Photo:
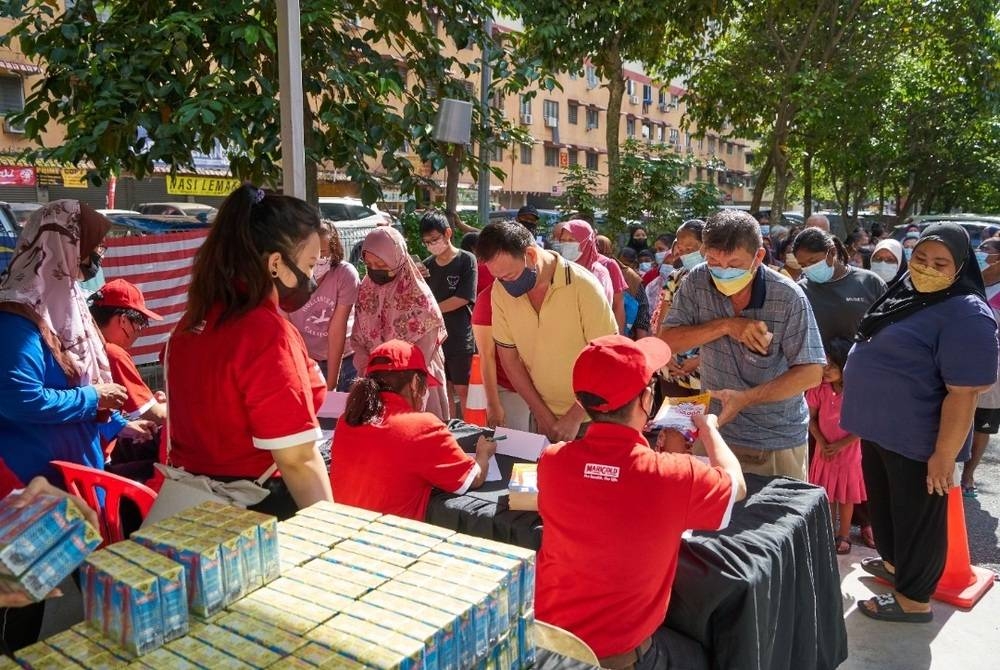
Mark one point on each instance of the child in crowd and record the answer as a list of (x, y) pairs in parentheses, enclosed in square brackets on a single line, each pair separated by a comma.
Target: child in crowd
[(836, 465)]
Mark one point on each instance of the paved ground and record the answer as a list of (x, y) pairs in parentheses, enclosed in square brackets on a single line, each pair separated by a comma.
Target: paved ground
[(956, 640)]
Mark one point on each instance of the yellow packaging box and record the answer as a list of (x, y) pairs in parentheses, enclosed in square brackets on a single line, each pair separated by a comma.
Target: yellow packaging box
[(409, 651), (237, 646), (376, 553), (337, 572), (263, 633), (443, 623), (204, 655), (369, 562)]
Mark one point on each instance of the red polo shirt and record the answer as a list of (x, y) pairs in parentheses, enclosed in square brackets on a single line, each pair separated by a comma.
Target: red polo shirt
[(482, 315), (239, 390), (124, 372), (391, 466), (613, 512)]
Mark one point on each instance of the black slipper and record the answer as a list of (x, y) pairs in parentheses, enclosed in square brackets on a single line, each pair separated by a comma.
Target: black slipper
[(876, 568), (839, 540), (888, 609)]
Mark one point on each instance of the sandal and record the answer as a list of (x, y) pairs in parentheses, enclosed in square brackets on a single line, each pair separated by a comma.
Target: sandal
[(868, 537), (841, 541), (970, 491), (888, 609), (876, 568)]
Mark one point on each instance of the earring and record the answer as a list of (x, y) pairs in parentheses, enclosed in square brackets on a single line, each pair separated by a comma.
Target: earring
[(274, 273)]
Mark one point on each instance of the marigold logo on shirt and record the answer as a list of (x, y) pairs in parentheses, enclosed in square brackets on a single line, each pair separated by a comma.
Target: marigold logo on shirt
[(607, 473)]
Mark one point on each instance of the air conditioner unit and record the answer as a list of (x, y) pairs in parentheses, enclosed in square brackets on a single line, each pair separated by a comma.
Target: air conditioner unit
[(634, 99), (664, 106), (526, 119), (10, 128), (551, 121)]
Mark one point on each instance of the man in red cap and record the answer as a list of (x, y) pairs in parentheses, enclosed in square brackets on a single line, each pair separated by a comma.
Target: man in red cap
[(613, 511), (120, 311), (388, 453)]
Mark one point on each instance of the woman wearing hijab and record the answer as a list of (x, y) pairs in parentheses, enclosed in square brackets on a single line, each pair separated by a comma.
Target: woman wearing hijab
[(57, 399), (888, 261), (394, 303), (56, 396), (577, 238), (930, 344)]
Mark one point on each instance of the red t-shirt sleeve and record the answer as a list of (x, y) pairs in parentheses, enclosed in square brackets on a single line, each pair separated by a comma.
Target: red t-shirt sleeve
[(442, 462), (711, 498), (279, 390), (8, 480), (124, 372), (482, 312)]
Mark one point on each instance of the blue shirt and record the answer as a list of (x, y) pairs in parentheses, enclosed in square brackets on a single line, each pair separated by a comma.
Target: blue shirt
[(895, 382), (43, 418), (728, 364)]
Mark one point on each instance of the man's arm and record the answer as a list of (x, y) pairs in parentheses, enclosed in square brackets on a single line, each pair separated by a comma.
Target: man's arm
[(749, 332), (451, 304), (796, 380)]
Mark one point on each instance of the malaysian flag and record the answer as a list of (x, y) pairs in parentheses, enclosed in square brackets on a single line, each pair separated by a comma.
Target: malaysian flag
[(160, 265)]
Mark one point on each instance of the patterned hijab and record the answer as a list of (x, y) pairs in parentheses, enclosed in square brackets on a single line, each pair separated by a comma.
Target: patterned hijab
[(40, 285), (404, 309)]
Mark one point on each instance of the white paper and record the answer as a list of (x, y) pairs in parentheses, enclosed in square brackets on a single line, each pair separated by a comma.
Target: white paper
[(333, 406), (493, 472), (519, 444)]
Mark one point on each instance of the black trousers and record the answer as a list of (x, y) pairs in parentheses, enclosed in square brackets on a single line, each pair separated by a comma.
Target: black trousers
[(910, 525), (673, 651)]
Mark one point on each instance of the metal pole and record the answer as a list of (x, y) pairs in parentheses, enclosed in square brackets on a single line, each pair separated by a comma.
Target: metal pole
[(484, 109), (293, 157)]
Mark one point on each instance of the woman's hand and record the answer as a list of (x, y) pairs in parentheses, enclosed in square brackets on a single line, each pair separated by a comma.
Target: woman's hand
[(138, 431), (940, 474), (110, 396)]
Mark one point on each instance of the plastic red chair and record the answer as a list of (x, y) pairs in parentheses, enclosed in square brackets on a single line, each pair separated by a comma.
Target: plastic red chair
[(88, 482)]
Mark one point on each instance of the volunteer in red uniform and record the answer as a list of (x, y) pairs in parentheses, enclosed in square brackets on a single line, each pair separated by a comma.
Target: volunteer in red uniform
[(243, 391), (614, 510), (119, 310), (388, 453)]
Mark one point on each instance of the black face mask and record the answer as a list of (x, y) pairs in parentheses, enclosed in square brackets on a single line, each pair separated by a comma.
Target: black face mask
[(294, 298), (92, 267), (380, 277)]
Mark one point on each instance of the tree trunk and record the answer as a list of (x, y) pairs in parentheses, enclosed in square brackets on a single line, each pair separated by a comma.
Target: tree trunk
[(616, 90), (761, 184), (312, 170), (881, 197), (453, 166), (807, 184)]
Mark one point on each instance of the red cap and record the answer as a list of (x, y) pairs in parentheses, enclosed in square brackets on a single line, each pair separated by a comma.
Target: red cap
[(616, 369), (398, 356), (120, 293)]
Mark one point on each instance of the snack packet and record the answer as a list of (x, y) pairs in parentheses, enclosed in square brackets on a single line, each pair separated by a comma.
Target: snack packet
[(676, 413)]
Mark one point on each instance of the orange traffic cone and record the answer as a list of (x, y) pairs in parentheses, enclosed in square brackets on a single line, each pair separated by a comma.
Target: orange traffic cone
[(962, 584), (474, 411)]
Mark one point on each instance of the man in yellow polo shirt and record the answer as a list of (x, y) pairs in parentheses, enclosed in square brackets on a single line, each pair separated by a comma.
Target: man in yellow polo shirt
[(545, 311)]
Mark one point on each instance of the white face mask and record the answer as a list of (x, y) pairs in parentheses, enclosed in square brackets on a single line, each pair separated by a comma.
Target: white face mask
[(568, 250), (887, 271), (437, 248)]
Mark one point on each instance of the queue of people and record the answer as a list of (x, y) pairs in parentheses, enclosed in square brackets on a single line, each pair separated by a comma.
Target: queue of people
[(276, 318)]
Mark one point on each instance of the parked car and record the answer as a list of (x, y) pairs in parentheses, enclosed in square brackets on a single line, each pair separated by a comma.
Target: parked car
[(23, 210), (8, 235), (124, 225), (202, 212), (974, 224), (353, 220)]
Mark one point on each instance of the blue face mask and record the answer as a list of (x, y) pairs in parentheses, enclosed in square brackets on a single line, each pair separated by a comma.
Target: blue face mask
[(692, 259), (524, 283), (765, 230), (820, 272), (981, 258), (660, 257), (907, 253), (645, 267)]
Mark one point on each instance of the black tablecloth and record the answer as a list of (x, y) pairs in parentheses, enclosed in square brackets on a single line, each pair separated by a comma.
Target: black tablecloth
[(763, 594)]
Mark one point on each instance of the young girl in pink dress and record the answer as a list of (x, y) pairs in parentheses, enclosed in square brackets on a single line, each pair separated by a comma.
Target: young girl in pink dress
[(836, 464)]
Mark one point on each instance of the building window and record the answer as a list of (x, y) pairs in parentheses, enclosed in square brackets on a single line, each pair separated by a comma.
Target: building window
[(593, 118), (663, 134), (496, 154), (551, 157), (525, 106), (711, 145), (701, 144), (11, 95), (630, 127), (663, 96), (592, 161), (573, 76), (526, 151), (729, 148), (675, 100), (629, 87), (647, 94), (700, 173), (591, 74), (550, 110), (572, 113), (574, 157), (675, 136), (687, 141)]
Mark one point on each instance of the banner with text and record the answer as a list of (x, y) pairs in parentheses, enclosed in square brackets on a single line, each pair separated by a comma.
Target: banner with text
[(191, 185)]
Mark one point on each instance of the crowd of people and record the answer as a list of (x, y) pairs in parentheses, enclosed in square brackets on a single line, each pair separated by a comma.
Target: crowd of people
[(796, 341)]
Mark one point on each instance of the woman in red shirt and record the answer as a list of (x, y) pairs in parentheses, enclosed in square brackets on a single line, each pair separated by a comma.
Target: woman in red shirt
[(243, 390)]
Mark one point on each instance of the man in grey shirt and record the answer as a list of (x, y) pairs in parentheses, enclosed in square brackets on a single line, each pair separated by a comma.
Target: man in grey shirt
[(760, 347)]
